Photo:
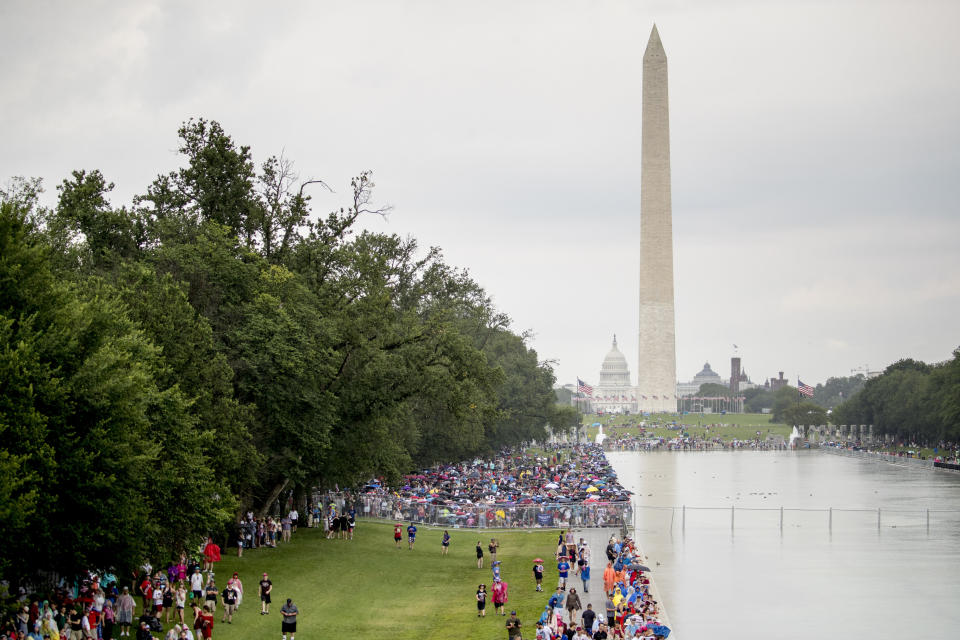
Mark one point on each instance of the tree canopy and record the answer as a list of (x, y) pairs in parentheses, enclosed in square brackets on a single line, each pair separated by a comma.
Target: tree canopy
[(911, 401), (217, 346)]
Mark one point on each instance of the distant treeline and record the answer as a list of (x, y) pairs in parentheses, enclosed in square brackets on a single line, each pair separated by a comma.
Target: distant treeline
[(214, 346), (911, 400)]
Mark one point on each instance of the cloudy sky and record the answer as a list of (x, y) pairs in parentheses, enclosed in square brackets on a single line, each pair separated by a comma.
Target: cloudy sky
[(815, 147)]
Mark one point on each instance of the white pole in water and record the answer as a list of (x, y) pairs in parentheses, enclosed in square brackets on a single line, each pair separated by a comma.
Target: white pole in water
[(673, 512), (731, 516), (928, 520), (781, 518), (831, 519), (878, 518), (684, 521)]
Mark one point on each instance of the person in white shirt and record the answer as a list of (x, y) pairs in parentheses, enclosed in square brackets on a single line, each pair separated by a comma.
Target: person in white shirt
[(196, 585), (294, 516)]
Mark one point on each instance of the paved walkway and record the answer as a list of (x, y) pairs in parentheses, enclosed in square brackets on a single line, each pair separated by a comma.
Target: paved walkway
[(597, 540)]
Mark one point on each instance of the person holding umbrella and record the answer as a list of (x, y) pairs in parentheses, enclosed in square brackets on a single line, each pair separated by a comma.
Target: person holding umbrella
[(538, 572)]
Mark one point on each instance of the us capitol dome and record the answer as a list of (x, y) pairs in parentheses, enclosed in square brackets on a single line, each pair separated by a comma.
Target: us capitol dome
[(615, 393)]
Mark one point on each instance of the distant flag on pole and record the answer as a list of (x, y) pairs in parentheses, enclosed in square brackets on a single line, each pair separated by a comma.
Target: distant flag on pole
[(583, 387), (804, 389)]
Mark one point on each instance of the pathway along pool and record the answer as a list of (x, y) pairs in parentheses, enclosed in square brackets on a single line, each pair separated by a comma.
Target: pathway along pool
[(823, 575)]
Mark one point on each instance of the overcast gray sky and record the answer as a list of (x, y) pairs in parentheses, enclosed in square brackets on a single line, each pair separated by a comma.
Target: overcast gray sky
[(815, 147)]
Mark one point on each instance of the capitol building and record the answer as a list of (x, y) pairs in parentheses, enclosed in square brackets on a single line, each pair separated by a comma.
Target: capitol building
[(614, 393)]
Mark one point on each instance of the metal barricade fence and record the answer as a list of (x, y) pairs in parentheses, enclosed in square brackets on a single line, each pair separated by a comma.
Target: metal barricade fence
[(678, 518), (482, 516), (880, 457)]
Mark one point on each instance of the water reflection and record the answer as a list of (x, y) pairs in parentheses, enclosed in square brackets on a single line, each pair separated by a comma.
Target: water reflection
[(820, 572)]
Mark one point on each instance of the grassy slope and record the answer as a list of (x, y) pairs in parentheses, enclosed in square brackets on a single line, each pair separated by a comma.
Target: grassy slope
[(368, 589), (740, 425)]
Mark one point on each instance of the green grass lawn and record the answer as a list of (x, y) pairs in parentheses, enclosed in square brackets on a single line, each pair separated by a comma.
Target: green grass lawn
[(366, 588), (742, 426)]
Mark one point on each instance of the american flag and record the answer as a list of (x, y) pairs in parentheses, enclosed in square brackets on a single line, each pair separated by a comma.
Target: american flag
[(804, 389), (583, 387)]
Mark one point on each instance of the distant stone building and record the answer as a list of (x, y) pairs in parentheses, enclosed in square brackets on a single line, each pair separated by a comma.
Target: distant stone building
[(775, 383), (614, 393), (706, 375)]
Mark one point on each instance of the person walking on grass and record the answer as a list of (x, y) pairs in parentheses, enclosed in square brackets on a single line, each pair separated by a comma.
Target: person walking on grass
[(289, 612), (411, 536), (206, 623), (500, 596), (538, 573), (197, 620), (196, 585), (266, 586), (125, 606), (479, 555), (513, 627), (493, 547), (229, 597), (211, 596), (482, 601), (445, 543), (397, 533)]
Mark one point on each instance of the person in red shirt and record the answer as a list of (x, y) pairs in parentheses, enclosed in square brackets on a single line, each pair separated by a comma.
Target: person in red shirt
[(206, 623), (211, 554), (397, 533), (146, 590)]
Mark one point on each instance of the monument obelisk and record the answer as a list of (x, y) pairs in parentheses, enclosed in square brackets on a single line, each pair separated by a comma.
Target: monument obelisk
[(656, 384)]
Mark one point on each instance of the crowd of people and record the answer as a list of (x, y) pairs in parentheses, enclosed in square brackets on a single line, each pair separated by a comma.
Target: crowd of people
[(177, 602), (692, 443), (629, 611), (564, 486)]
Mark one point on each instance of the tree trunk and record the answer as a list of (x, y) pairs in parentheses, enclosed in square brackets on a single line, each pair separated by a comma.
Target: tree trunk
[(274, 494)]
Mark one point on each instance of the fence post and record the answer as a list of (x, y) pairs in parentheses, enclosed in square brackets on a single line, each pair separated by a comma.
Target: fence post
[(878, 518), (781, 518), (731, 516), (830, 525)]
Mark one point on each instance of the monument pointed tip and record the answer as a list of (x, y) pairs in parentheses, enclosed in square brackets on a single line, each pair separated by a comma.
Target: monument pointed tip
[(654, 45)]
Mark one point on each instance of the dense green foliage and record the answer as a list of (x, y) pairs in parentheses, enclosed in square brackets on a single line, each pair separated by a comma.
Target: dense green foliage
[(215, 347), (912, 401)]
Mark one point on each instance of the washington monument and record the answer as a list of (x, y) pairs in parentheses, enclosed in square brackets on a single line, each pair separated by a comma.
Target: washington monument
[(656, 384)]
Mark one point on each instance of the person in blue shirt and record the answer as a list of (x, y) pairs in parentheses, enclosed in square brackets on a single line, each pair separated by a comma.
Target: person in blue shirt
[(411, 536), (556, 601), (563, 567), (445, 543)]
